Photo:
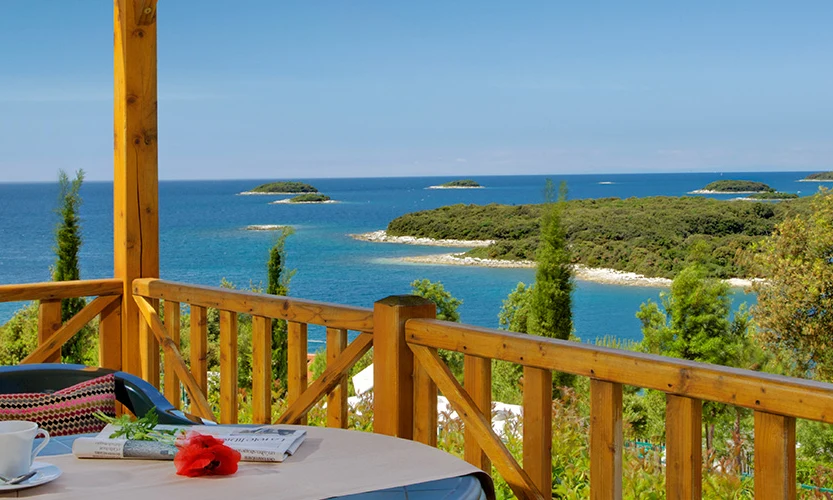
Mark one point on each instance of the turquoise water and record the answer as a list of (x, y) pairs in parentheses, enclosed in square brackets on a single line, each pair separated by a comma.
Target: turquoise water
[(203, 239)]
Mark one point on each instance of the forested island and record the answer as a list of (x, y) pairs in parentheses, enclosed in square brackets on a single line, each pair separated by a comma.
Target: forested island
[(654, 236), (282, 187), (734, 186), (458, 184), (819, 177), (307, 198)]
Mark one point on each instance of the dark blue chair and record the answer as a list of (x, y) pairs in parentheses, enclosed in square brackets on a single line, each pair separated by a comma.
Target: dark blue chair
[(135, 394)]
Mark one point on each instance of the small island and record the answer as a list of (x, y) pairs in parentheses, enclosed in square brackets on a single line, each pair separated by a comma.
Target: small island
[(819, 177), (282, 187), (772, 195), (458, 184), (734, 187), (307, 198)]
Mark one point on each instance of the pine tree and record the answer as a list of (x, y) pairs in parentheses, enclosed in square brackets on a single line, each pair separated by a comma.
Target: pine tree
[(277, 283), (67, 244)]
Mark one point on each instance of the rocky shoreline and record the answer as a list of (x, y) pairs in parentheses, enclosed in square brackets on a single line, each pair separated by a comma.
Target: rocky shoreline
[(454, 187), (709, 191), (290, 202), (383, 237), (266, 227)]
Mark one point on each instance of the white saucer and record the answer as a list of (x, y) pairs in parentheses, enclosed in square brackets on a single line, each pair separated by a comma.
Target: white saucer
[(45, 473)]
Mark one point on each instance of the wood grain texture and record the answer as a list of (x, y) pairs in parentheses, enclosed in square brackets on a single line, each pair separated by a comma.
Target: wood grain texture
[(135, 166), (199, 347), (684, 448), (109, 337), (605, 440), (775, 475), (199, 403), (337, 398), (258, 304), (229, 367), (173, 392), (335, 371), (296, 364), (149, 350), (261, 370), (760, 391), (477, 380), (53, 343), (393, 364), (52, 290), (49, 322), (479, 424), (425, 407), (537, 426)]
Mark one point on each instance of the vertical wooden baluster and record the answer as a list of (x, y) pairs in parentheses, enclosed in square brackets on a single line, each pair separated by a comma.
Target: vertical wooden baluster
[(605, 440), (149, 349), (537, 427), (296, 347), (477, 375), (199, 347), (173, 391), (337, 399), (228, 367), (393, 363), (49, 322), (261, 370), (109, 337), (425, 407), (684, 448), (775, 477)]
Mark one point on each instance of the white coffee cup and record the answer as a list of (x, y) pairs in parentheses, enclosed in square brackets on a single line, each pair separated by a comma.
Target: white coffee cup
[(16, 440)]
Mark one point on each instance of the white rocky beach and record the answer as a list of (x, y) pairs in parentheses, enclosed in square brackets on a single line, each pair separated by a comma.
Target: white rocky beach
[(382, 236), (454, 187), (289, 201)]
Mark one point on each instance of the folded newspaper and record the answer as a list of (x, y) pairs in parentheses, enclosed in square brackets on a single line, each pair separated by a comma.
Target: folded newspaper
[(265, 443)]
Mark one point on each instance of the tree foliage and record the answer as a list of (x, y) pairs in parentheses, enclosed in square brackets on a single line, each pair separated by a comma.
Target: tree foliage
[(447, 306), (795, 302), (278, 278)]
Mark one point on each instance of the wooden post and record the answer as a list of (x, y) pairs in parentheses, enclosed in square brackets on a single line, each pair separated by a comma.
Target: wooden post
[(477, 374), (393, 363), (49, 322), (684, 448), (173, 392), (135, 175), (296, 363), (774, 456), (261, 370), (199, 347), (537, 427), (425, 407), (109, 337), (229, 367), (605, 440), (337, 400)]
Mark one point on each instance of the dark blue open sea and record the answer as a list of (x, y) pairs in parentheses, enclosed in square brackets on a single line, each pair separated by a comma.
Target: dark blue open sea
[(203, 239)]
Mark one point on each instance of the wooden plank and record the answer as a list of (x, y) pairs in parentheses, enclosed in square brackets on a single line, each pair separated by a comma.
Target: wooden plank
[(199, 347), (135, 160), (199, 404), (335, 371), (229, 367), (393, 364), (477, 374), (537, 426), (337, 398), (760, 391), (605, 440), (109, 337), (425, 407), (258, 304), (775, 476), (149, 350), (53, 344), (261, 370), (520, 482), (52, 290), (173, 392), (49, 322), (296, 347), (684, 448)]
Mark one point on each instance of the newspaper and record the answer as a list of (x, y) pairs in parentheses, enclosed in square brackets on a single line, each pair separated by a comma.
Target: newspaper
[(266, 443)]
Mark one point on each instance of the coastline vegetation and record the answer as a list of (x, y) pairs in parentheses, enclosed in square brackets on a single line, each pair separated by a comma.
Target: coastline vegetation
[(734, 186), (820, 176), (652, 236), (773, 195), (285, 187), (310, 198), (466, 183)]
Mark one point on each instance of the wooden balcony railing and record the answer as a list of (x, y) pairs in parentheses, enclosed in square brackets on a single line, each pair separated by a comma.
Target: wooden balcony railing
[(53, 334)]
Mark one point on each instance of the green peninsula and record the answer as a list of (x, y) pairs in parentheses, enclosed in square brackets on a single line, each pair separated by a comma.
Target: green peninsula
[(733, 186), (284, 187), (819, 177), (651, 236)]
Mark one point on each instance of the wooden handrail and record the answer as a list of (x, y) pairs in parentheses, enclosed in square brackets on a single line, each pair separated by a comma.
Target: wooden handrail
[(52, 290), (258, 304), (759, 391)]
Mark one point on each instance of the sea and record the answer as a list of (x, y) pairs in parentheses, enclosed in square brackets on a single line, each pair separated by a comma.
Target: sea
[(204, 239)]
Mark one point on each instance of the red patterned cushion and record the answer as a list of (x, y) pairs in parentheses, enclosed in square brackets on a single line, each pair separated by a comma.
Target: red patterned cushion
[(65, 412)]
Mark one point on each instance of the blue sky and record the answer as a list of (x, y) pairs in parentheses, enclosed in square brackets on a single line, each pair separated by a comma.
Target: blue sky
[(279, 89)]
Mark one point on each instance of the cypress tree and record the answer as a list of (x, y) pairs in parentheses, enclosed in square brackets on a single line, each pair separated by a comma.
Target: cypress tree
[(277, 283)]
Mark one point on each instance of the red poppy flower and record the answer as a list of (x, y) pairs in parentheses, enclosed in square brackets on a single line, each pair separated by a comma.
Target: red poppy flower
[(204, 455)]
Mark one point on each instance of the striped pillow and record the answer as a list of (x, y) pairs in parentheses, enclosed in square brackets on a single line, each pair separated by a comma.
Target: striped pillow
[(65, 412)]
